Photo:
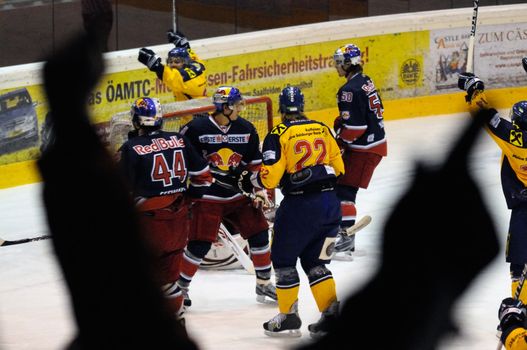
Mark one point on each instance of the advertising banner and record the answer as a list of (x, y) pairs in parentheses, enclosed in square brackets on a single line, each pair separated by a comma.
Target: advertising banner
[(395, 62), (498, 52)]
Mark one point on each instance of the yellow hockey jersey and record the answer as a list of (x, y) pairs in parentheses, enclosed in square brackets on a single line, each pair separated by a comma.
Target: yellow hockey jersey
[(188, 82), (299, 154)]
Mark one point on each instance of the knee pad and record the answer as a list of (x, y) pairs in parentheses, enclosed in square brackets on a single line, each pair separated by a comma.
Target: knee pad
[(259, 240), (318, 273), (198, 248), (286, 277)]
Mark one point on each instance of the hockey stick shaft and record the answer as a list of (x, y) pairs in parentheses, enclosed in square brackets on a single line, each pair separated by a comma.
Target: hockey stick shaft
[(227, 239), (517, 293), (472, 39), (174, 23), (4, 242)]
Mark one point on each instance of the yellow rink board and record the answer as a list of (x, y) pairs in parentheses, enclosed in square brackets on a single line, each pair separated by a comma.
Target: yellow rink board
[(22, 173)]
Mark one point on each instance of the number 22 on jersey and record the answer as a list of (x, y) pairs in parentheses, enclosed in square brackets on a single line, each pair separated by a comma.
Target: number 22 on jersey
[(310, 152)]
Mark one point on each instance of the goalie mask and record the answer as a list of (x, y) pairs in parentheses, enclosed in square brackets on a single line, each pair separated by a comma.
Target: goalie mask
[(519, 115), (230, 96), (178, 56), (146, 111), (347, 56), (291, 100)]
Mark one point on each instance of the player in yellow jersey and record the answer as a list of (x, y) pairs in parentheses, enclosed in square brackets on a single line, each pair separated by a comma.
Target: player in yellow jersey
[(184, 72), (510, 136), (302, 158)]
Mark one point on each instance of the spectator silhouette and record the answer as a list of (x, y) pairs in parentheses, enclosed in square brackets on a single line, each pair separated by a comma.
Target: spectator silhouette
[(95, 230), (437, 239)]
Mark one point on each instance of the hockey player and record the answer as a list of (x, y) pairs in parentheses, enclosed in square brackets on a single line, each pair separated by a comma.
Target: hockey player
[(301, 157), (360, 133), (227, 141), (510, 136), (512, 322), (157, 165), (184, 72)]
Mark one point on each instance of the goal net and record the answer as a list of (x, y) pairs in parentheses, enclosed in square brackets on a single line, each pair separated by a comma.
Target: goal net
[(258, 111)]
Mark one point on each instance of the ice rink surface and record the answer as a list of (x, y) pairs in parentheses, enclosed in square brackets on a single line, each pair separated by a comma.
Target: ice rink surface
[(34, 306)]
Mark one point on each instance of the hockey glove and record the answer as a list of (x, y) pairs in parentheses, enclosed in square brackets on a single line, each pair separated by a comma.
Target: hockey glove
[(244, 181), (511, 315), (524, 63), (261, 200), (470, 83), (178, 39), (149, 59)]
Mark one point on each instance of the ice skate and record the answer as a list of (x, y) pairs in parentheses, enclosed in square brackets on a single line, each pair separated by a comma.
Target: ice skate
[(284, 325), (320, 328), (265, 290), (344, 246), (186, 300)]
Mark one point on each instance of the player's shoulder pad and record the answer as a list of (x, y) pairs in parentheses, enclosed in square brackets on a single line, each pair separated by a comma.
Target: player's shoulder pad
[(245, 123), (279, 129)]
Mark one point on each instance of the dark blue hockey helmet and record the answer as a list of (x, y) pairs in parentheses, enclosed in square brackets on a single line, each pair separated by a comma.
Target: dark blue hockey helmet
[(228, 95), (146, 111), (519, 114), (178, 55), (291, 100)]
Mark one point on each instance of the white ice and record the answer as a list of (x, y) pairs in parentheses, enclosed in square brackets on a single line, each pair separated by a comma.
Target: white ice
[(34, 306)]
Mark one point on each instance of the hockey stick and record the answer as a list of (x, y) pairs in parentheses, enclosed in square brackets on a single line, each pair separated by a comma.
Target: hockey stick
[(236, 189), (174, 24), (517, 293), (359, 225), (472, 39), (4, 242), (227, 239)]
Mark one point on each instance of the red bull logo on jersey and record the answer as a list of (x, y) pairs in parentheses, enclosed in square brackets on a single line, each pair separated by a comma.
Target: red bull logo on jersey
[(220, 138), (159, 144), (224, 159)]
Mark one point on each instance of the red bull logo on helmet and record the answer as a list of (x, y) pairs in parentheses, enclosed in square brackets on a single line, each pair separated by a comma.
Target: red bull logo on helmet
[(224, 158)]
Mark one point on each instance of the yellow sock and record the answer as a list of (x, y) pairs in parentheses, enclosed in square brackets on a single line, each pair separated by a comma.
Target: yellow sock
[(286, 298), (523, 294), (324, 293)]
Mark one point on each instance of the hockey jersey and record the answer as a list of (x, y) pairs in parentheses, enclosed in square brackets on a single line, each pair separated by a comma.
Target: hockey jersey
[(299, 154), (235, 145), (188, 82), (511, 141), (360, 124), (160, 163)]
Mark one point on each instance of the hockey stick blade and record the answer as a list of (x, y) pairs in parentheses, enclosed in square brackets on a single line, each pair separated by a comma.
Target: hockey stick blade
[(228, 240), (359, 225), (4, 242)]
